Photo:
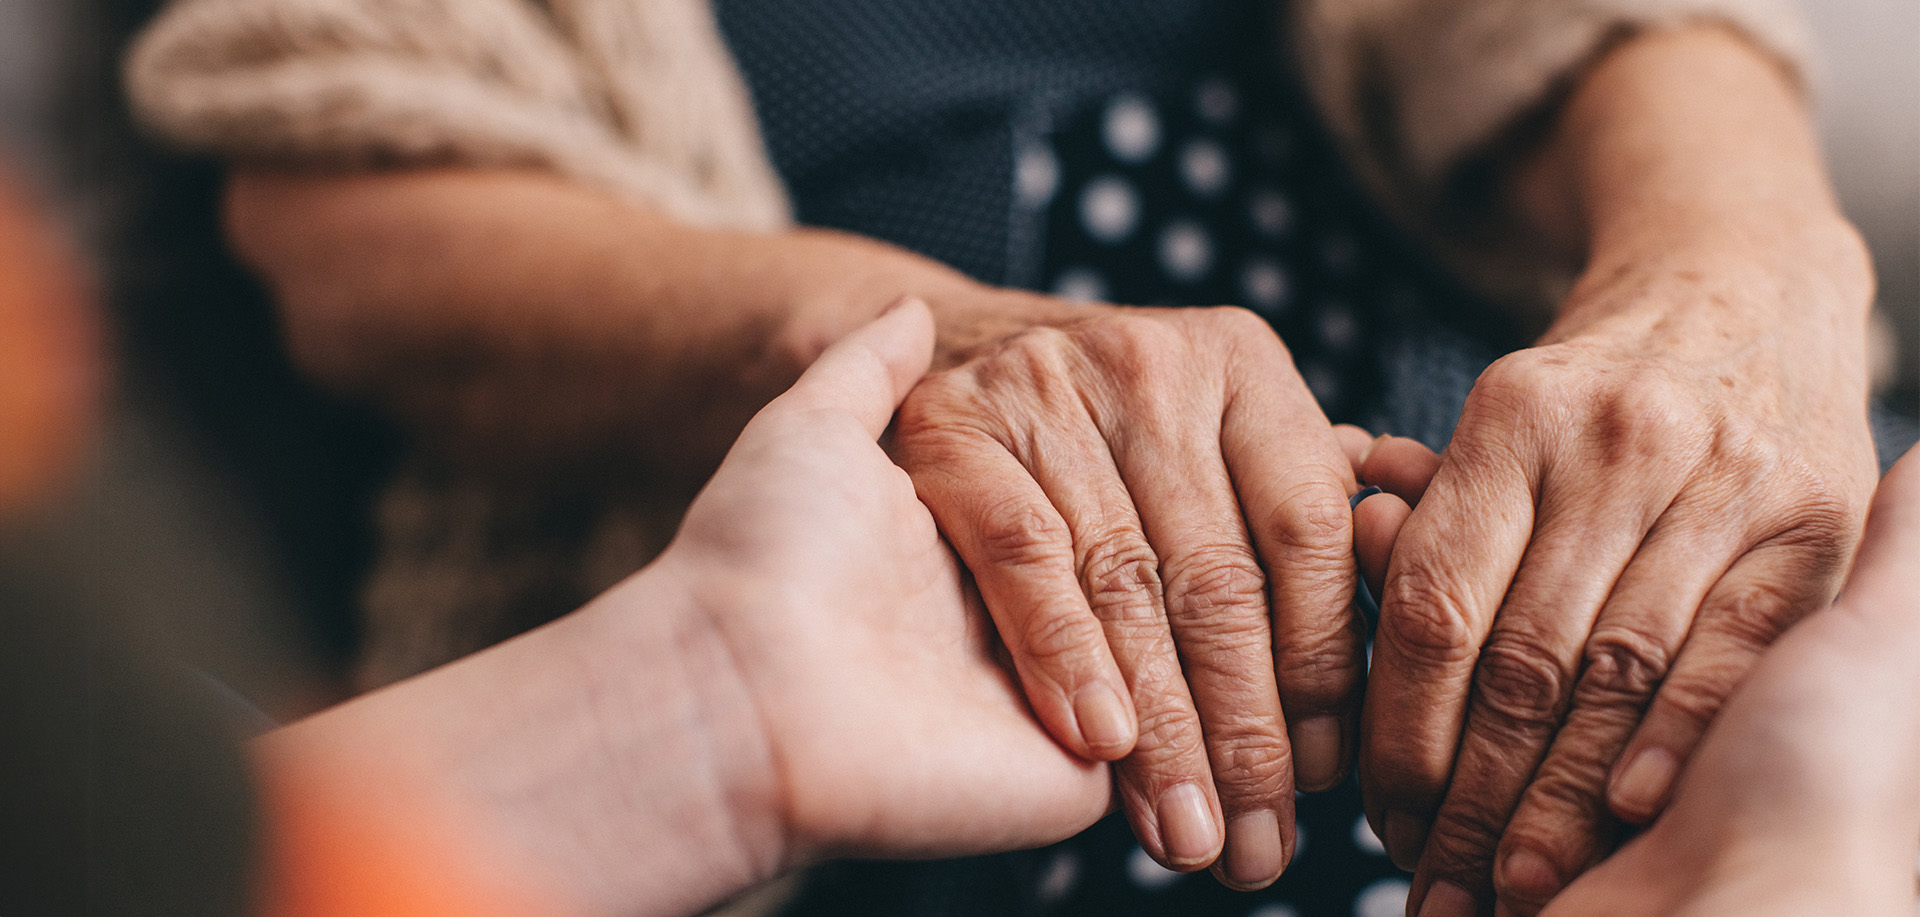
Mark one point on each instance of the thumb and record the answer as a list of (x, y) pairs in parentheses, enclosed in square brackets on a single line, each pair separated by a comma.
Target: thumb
[(1885, 574), (867, 373)]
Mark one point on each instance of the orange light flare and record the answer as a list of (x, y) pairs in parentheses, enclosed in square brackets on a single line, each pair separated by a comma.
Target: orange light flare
[(50, 357)]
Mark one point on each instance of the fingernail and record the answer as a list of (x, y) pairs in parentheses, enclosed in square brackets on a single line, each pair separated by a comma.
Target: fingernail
[(1316, 752), (1187, 828), (1104, 723), (1642, 787), (1406, 835), (1446, 899), (1255, 853), (1528, 875)]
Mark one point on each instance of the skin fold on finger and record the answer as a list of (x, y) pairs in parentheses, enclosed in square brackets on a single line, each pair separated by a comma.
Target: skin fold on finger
[(1759, 597), (1563, 825), (1294, 481), (1171, 791), (1524, 681), (1216, 601), (1022, 558), (1450, 569)]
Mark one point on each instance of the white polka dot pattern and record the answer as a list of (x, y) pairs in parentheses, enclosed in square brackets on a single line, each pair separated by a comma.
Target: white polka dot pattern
[(1204, 165), (1385, 898), (1186, 251), (1365, 840), (1109, 208), (1132, 129), (1036, 176), (1147, 874)]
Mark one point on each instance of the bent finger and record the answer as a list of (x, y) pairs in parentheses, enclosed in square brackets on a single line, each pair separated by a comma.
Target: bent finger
[(1759, 597), (1022, 557), (1562, 825), (1294, 483)]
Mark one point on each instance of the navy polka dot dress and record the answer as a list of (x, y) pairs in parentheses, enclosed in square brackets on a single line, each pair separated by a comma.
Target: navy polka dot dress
[(1145, 152)]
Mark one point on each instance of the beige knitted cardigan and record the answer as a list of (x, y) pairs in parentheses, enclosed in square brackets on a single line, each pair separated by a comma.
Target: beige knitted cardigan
[(640, 98)]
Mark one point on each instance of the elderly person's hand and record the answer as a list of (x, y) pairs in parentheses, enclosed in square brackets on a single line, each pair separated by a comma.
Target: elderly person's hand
[(803, 673), (1630, 512), (1804, 797), (1154, 508)]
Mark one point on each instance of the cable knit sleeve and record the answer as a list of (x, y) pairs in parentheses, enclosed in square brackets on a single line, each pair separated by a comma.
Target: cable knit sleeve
[(1418, 90), (637, 98)]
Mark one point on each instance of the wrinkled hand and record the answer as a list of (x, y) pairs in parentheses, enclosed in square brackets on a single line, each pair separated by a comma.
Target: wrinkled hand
[(1155, 509), (1804, 797), (890, 727), (1628, 514)]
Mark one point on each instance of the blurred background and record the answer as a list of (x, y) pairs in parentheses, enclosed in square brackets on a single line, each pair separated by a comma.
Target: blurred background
[(221, 512)]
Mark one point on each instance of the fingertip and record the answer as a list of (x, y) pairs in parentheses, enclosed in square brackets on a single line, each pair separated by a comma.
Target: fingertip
[(870, 371), (1105, 721), (1639, 789), (904, 338)]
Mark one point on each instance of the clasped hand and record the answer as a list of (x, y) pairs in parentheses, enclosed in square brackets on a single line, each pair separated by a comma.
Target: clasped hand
[(1155, 511)]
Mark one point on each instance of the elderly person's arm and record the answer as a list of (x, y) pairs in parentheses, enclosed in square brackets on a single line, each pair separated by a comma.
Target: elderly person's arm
[(1632, 510)]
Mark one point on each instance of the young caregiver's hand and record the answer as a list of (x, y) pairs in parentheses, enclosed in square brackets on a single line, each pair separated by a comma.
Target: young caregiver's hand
[(1804, 797), (1154, 508), (890, 729), (805, 672)]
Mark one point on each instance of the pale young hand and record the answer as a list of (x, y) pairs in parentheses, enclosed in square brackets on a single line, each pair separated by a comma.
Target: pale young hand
[(1155, 508), (864, 656), (1804, 797)]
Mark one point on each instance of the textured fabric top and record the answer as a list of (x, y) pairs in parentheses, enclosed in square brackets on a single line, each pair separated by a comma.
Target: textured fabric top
[(641, 97), (900, 120)]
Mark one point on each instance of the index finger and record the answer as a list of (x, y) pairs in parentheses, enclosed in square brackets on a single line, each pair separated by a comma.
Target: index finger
[(1451, 567)]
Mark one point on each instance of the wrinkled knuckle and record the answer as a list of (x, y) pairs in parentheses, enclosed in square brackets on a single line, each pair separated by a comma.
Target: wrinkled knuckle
[(1016, 533), (1638, 422), (1426, 618), (1168, 732), (1122, 576), (1569, 788), (1514, 384), (1314, 521), (1249, 760), (1463, 839), (1055, 639), (1134, 349), (1622, 666), (1695, 700), (1754, 613), (1217, 585), (1315, 677), (1521, 684)]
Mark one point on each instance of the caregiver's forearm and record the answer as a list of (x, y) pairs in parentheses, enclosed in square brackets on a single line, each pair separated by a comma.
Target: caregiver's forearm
[(609, 763), (529, 320)]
